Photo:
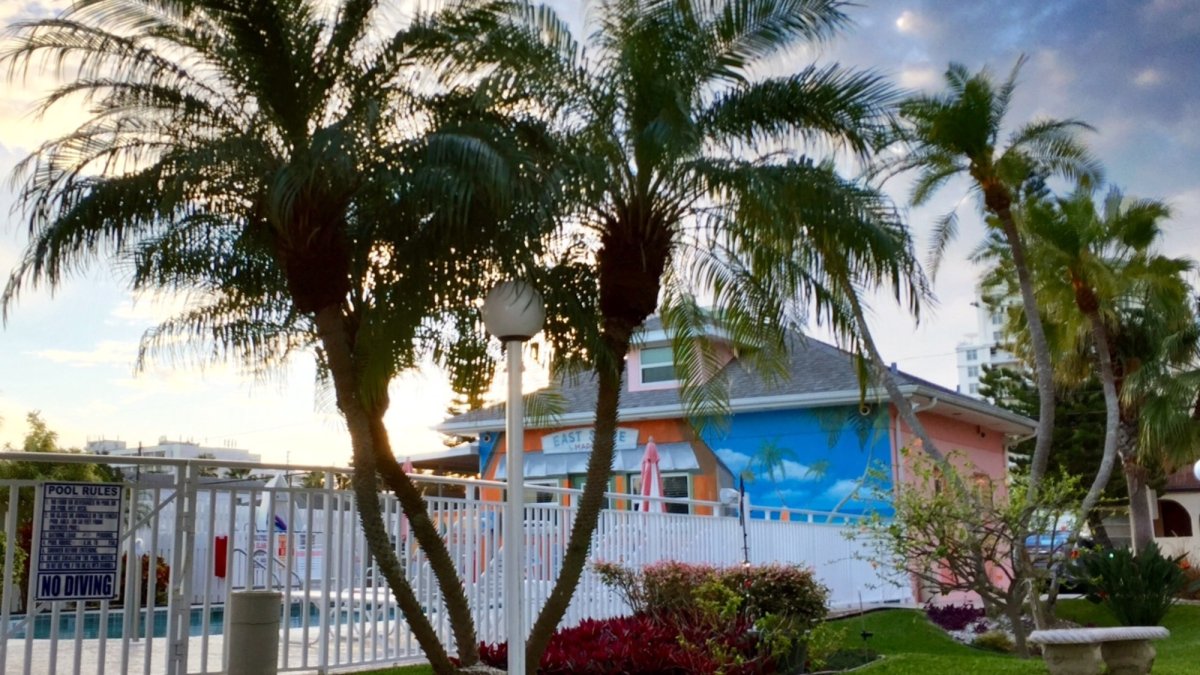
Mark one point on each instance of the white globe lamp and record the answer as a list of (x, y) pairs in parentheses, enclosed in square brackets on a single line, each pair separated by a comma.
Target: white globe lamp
[(513, 311), (1196, 470)]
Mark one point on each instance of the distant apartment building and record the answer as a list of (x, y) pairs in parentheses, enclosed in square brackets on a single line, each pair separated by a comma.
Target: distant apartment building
[(170, 450), (985, 347)]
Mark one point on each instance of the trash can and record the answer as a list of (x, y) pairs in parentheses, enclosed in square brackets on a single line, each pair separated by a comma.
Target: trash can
[(252, 632)]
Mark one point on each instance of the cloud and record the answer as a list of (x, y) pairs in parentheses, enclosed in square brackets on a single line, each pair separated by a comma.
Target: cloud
[(106, 353), (920, 77), (790, 470), (1148, 78), (911, 23), (736, 461), (150, 309), (840, 489)]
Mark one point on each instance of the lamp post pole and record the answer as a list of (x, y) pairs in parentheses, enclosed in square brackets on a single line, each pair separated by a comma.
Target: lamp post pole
[(514, 531), (513, 312)]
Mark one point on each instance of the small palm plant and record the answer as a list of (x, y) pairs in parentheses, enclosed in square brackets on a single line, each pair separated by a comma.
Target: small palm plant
[(1137, 588)]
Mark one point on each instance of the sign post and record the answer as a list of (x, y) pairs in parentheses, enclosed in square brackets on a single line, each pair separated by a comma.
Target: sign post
[(76, 541)]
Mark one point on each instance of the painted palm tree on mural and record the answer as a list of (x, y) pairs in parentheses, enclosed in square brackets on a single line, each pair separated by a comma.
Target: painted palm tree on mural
[(770, 461), (1115, 305), (689, 176), (282, 162)]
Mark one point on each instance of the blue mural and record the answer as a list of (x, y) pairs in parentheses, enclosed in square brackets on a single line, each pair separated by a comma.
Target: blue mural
[(826, 459)]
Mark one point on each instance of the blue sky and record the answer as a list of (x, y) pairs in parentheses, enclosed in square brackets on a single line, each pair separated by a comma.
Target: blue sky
[(1131, 69)]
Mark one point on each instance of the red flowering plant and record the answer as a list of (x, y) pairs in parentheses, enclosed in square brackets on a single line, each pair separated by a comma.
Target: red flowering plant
[(716, 613)]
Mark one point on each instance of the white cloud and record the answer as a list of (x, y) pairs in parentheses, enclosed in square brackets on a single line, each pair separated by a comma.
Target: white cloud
[(1148, 78), (840, 489), (106, 353), (150, 309), (911, 23), (920, 77), (736, 461), (791, 470)]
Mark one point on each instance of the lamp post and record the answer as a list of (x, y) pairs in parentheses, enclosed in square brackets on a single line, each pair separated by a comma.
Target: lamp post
[(513, 312)]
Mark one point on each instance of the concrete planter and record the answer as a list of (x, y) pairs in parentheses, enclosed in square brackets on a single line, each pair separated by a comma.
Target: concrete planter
[(1084, 651)]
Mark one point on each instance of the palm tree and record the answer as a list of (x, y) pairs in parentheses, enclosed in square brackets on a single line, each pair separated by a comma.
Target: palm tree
[(208, 471), (684, 163), (1116, 305), (957, 133), (279, 162)]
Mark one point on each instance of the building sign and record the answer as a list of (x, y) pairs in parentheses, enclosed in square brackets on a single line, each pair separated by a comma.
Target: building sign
[(581, 440), (76, 541)]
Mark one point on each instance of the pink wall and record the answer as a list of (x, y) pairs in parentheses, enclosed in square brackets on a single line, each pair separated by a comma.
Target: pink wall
[(977, 450)]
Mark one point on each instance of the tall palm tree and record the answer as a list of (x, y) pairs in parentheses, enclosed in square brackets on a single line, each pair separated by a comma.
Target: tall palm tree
[(276, 159), (1117, 306), (958, 133), (687, 169)]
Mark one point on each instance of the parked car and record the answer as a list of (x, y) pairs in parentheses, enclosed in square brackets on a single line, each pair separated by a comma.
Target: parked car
[(1054, 551)]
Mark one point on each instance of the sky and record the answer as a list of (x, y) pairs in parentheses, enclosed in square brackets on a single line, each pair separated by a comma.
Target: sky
[(1130, 69)]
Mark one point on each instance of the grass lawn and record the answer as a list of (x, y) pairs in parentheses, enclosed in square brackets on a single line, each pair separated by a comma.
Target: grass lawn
[(913, 646)]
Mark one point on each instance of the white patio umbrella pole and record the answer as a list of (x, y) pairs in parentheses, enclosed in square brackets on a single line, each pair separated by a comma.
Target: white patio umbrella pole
[(513, 312)]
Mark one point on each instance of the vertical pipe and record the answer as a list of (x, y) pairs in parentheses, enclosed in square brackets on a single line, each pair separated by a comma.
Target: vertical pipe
[(10, 526), (327, 554)]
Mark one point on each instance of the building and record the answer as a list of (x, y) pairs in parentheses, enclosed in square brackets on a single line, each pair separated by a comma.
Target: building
[(983, 347), (1177, 511), (809, 442), (171, 450)]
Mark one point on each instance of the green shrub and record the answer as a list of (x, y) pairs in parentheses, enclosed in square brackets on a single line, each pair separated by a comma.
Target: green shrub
[(1137, 589), (670, 588), (823, 642), (784, 590), (993, 641)]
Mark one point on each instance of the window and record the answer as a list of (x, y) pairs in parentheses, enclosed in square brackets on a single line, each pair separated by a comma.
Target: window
[(972, 355), (981, 484), (674, 485), (972, 371), (1173, 520), (997, 319), (997, 336), (540, 496), (657, 365), (974, 388)]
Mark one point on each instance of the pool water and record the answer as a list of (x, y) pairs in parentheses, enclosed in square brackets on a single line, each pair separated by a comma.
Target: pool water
[(67, 624)]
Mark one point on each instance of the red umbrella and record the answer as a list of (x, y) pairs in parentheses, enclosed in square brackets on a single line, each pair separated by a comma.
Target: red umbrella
[(652, 483)]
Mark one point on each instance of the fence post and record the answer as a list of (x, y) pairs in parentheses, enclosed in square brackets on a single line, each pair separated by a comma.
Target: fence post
[(179, 612)]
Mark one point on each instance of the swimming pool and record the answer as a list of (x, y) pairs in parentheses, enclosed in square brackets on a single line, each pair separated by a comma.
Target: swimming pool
[(67, 622)]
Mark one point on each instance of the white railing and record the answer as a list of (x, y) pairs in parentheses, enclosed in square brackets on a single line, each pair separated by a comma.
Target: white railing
[(306, 542)]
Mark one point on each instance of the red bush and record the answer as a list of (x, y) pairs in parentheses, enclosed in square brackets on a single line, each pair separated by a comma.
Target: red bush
[(641, 645)]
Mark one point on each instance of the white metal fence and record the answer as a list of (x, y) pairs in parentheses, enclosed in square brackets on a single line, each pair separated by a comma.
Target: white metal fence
[(215, 537)]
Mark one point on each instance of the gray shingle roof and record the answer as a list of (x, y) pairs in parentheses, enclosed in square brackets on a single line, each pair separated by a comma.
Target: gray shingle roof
[(816, 368)]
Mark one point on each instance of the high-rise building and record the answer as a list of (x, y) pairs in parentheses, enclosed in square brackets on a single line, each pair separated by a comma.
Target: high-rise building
[(170, 449), (985, 347)]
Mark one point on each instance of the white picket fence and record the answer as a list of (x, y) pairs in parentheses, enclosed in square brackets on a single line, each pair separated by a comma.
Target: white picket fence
[(336, 615)]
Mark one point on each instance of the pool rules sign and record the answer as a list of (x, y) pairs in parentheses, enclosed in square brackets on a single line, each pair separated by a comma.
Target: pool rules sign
[(76, 541)]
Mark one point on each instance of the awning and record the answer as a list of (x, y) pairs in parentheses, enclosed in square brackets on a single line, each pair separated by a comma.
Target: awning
[(673, 457)]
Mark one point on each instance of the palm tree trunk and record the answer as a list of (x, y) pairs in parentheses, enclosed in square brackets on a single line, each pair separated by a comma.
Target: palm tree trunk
[(999, 202), (1112, 415), (903, 406), (608, 397), (335, 340), (1141, 524), (454, 596)]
